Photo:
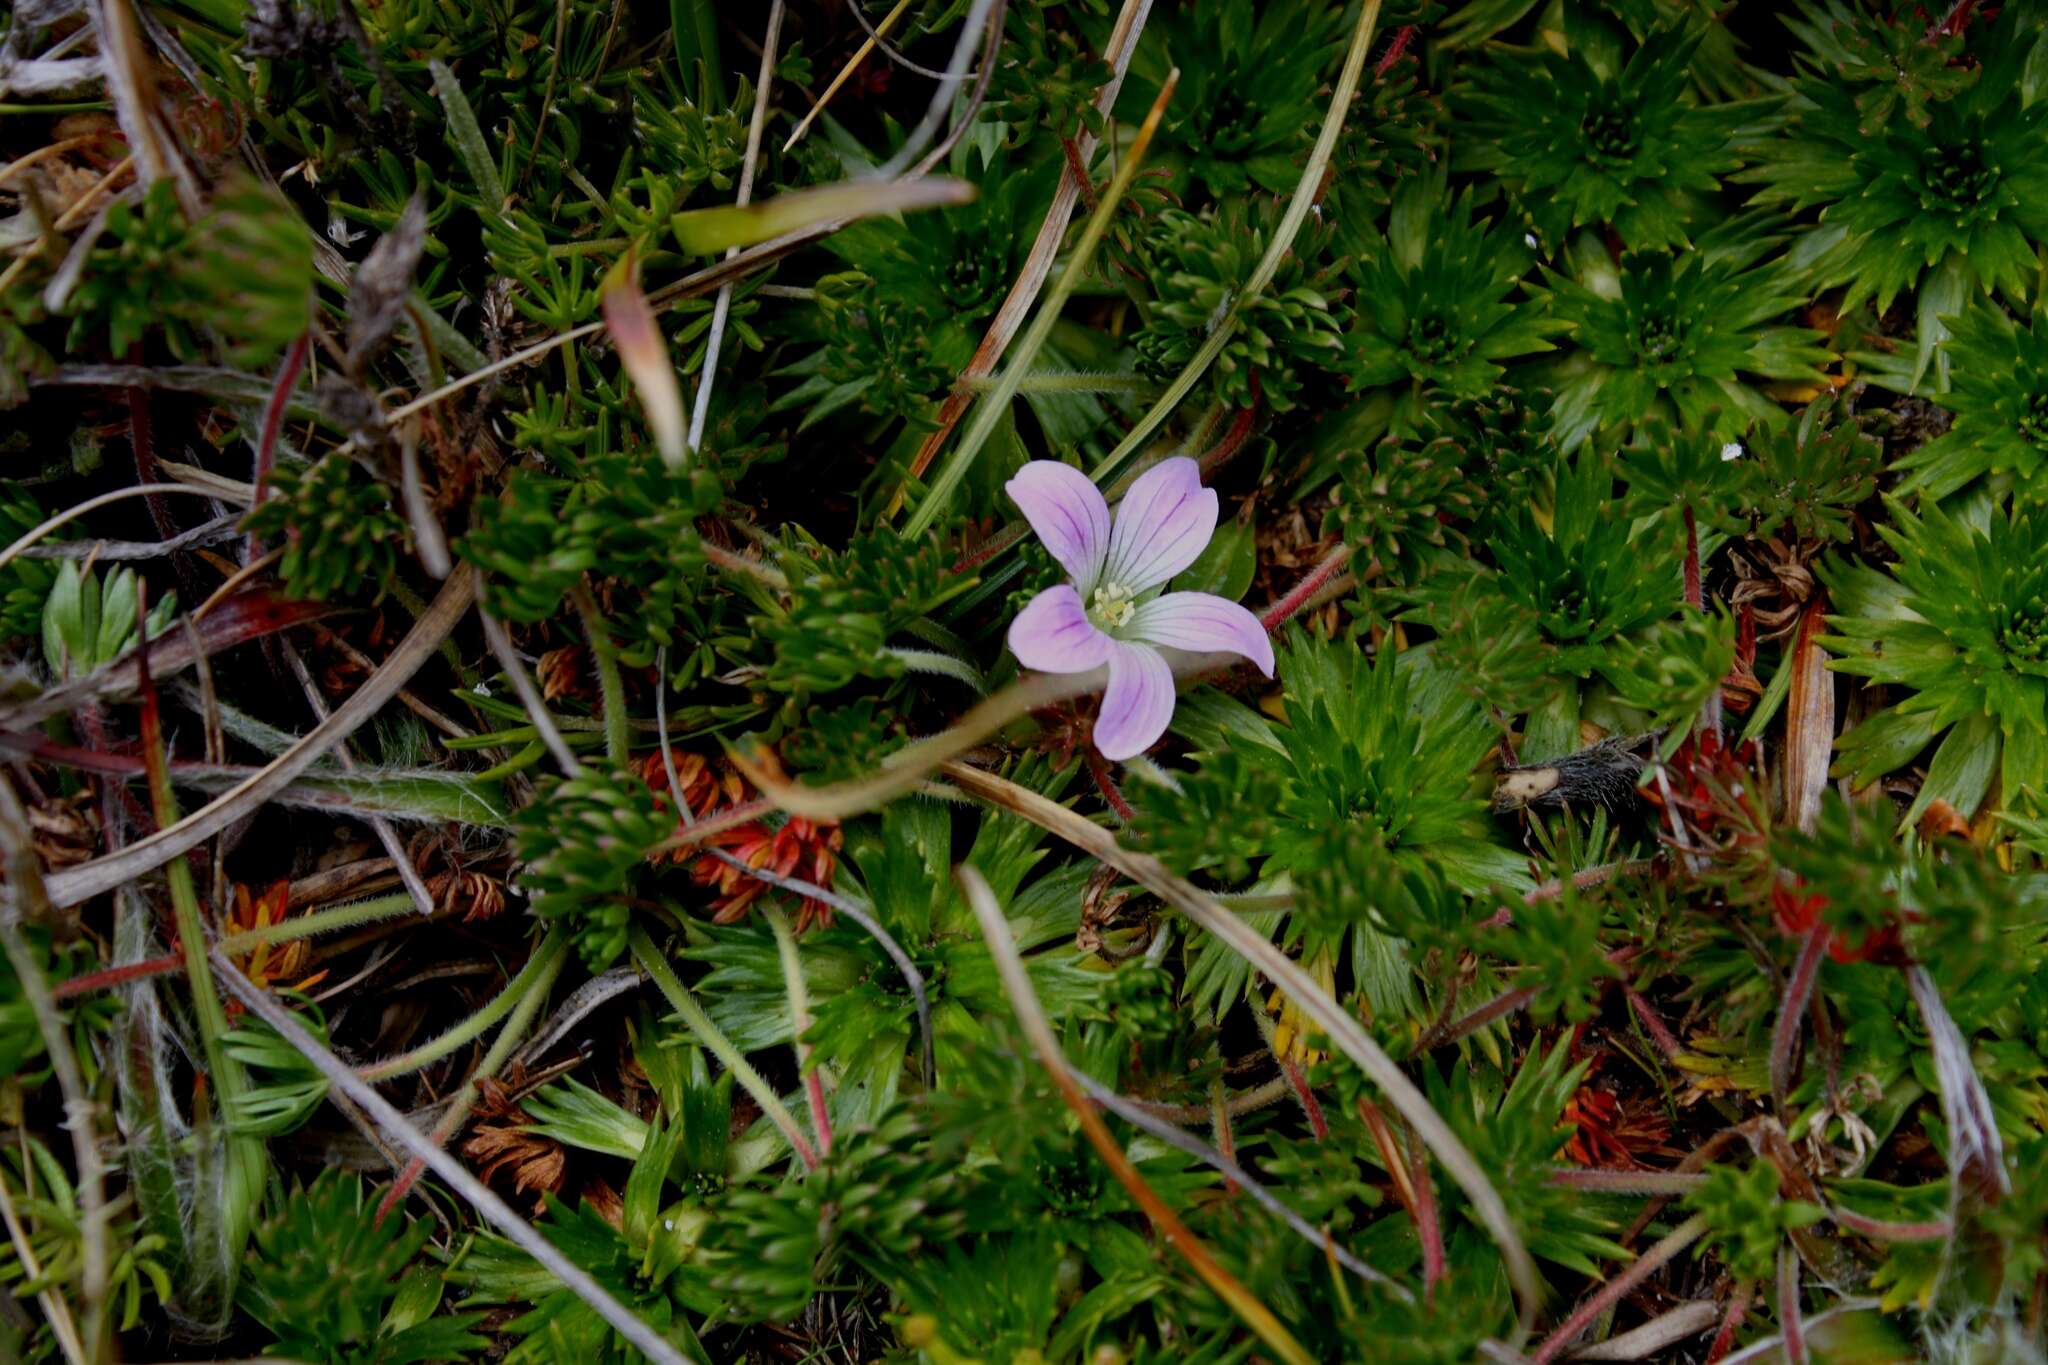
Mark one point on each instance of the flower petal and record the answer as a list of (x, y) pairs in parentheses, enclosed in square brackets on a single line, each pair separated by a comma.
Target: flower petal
[(1137, 704), (1054, 635), (1201, 622), (1162, 526), (1067, 511)]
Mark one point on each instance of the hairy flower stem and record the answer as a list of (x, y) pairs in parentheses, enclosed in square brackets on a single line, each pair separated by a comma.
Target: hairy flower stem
[(502, 1047), (1298, 596), (617, 723), (995, 930), (1785, 1035), (698, 1022), (542, 964), (1618, 1288), (1738, 1307)]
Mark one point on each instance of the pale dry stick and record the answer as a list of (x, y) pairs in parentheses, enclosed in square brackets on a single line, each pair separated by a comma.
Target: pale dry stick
[(995, 931), (1298, 207), (876, 35), (1769, 1346), (479, 1196), (1614, 1290), (935, 114), (721, 309), (1038, 262), (62, 1326), (1138, 1116), (529, 695), (1659, 1334), (1344, 1031), (93, 504), (24, 889), (103, 874)]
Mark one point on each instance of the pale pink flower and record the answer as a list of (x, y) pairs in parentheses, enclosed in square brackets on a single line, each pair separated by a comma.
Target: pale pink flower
[(1113, 612)]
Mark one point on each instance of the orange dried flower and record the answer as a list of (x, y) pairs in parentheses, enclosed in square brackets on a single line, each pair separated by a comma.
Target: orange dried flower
[(269, 963), (807, 850)]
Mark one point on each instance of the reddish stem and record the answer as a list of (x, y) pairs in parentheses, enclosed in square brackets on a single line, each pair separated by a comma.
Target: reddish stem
[(1653, 1024), (1395, 48), (821, 1118), (1623, 1284), (1316, 1122), (108, 977), (1105, 782), (1785, 1036), (1277, 615), (273, 427), (1738, 1307), (1234, 437), (1788, 1308), (1427, 1225)]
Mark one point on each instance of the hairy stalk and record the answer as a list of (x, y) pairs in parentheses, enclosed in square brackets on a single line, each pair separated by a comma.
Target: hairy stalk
[(1306, 191), (1618, 1288), (551, 951), (995, 931), (458, 1177), (543, 963), (699, 1023), (618, 740)]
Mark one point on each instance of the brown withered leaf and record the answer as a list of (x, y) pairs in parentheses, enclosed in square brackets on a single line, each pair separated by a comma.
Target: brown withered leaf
[(376, 297), (502, 1143)]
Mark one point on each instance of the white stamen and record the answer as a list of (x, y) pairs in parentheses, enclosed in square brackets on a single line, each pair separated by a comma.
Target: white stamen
[(1114, 605)]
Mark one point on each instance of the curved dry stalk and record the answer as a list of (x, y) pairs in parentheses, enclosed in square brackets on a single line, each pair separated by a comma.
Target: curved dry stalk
[(103, 874), (529, 695), (910, 765), (1138, 1116), (1123, 41), (1306, 191), (1614, 1290), (995, 931), (71, 514), (458, 1177), (720, 310), (1343, 1030)]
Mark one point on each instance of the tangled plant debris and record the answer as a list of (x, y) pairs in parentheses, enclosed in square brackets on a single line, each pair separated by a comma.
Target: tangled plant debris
[(1023, 681)]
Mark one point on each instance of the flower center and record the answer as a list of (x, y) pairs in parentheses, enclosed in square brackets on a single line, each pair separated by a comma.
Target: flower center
[(1114, 606)]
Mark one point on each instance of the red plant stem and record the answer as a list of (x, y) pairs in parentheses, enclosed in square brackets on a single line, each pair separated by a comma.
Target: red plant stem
[(1395, 48), (1220, 454), (1693, 598), (1316, 1122), (142, 439), (1738, 1308), (1612, 1292), (1788, 1307), (1276, 615), (990, 548), (1660, 1184), (821, 1118), (109, 977), (273, 427), (1226, 1139), (1501, 1005), (1427, 1225), (1072, 152), (1105, 782), (1653, 1024), (1785, 1036)]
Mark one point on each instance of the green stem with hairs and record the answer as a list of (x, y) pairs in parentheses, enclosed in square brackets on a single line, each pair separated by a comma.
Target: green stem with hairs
[(698, 1022), (544, 963), (319, 922), (617, 724)]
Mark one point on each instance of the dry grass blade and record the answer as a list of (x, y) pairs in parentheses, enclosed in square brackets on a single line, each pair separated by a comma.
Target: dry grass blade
[(995, 930), (101, 875), (1344, 1031), (1809, 723), (473, 1191)]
